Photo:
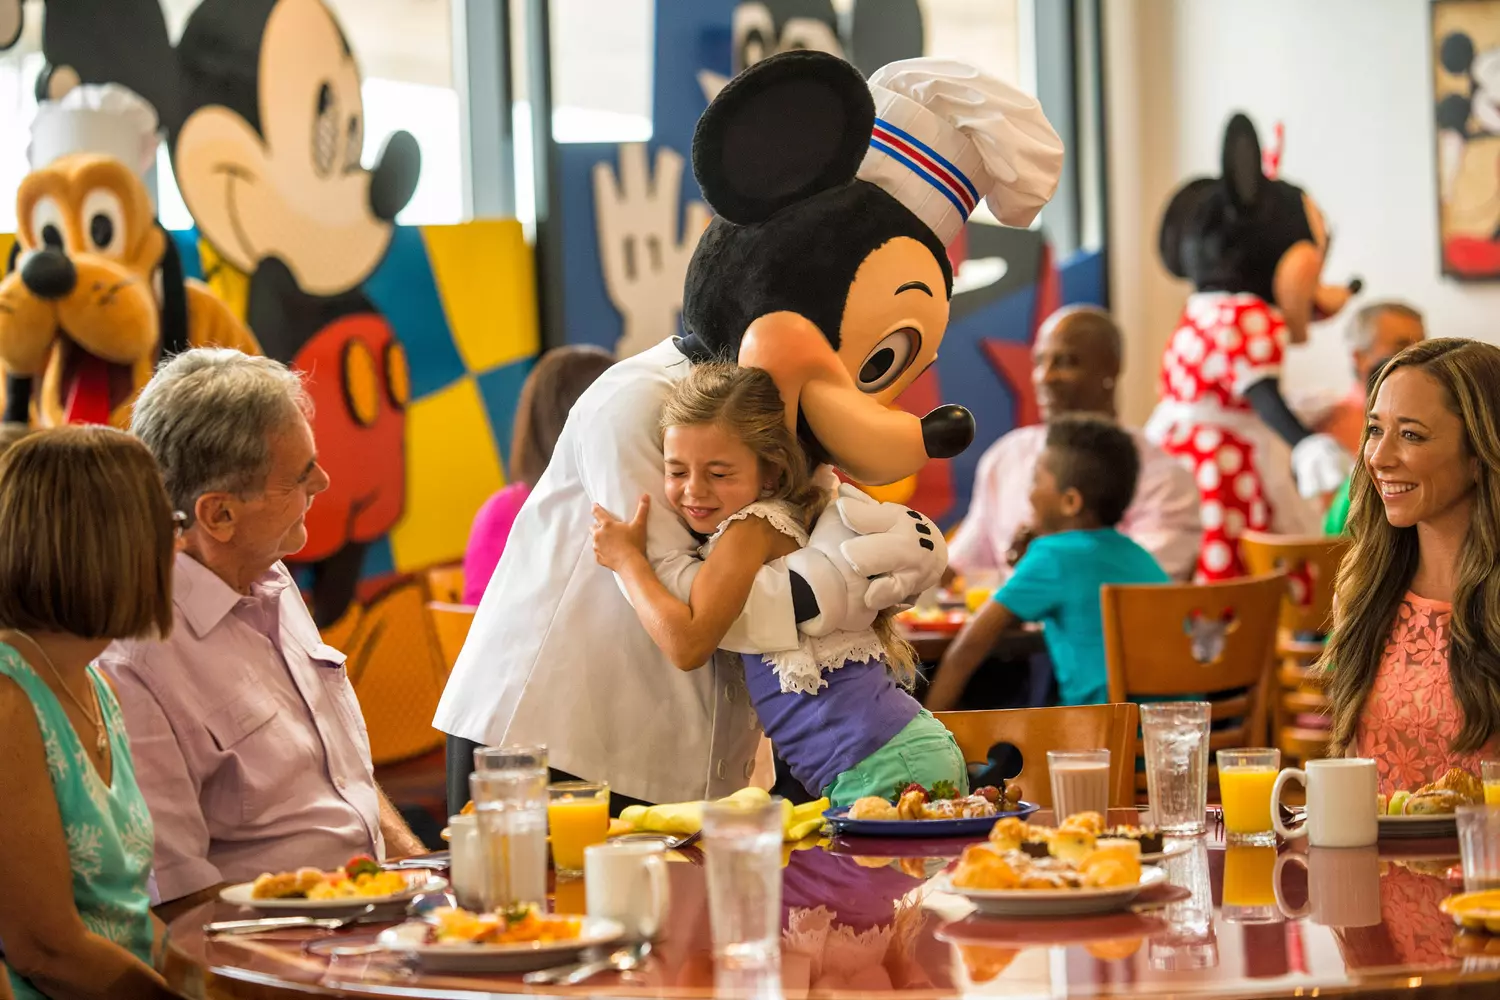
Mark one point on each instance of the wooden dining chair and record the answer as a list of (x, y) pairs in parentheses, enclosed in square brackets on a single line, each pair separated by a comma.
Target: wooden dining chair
[(1205, 642), (445, 584), (1299, 709), (1031, 732), (451, 624)]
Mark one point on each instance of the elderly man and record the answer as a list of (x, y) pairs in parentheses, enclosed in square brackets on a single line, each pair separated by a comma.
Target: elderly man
[(248, 741), (1375, 334), (1076, 364)]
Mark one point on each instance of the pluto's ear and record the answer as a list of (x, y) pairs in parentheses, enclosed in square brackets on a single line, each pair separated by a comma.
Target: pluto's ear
[(1179, 225), (783, 130), (1244, 177)]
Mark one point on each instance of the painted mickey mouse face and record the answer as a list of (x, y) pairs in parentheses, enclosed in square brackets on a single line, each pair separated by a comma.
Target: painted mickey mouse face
[(1459, 55), (283, 178), (823, 280), (765, 27)]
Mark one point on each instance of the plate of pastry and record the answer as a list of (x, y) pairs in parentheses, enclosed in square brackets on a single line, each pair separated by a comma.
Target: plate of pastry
[(1078, 834), (1429, 811), (357, 884), (915, 811), (1015, 884), (455, 940)]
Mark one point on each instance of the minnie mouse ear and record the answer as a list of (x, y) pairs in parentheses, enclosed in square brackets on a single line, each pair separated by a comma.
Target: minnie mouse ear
[(783, 130), (1244, 177), (1179, 225)]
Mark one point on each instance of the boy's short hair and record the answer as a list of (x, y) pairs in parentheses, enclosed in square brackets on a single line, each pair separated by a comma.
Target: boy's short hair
[(1097, 458)]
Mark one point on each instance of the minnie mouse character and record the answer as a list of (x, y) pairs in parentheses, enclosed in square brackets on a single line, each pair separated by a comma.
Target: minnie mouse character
[(1254, 248), (826, 267)]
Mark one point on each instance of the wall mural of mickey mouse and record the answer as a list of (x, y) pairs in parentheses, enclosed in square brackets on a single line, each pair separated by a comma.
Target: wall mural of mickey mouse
[(1468, 137), (267, 155), (265, 122), (1253, 247)]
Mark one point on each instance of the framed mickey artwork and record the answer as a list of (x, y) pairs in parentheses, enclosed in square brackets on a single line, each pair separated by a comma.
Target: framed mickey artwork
[(1466, 105)]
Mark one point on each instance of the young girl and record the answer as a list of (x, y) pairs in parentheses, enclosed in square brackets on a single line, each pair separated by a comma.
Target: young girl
[(836, 708)]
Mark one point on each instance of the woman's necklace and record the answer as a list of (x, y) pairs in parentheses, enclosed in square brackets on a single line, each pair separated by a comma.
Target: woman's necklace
[(96, 718)]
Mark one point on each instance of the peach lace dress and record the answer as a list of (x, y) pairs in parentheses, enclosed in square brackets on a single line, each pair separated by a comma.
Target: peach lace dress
[(1411, 717)]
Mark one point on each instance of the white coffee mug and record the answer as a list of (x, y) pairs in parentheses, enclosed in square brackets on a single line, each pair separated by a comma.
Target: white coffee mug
[(1342, 795), (627, 881), (1343, 886)]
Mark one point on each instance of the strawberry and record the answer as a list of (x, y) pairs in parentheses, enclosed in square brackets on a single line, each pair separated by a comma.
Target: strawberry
[(361, 864)]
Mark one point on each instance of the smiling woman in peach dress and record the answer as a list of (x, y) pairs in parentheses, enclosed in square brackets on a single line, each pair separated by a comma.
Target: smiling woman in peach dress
[(1415, 650)]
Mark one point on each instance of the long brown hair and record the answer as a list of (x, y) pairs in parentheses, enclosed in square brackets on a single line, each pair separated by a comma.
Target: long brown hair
[(747, 404), (554, 385), (1379, 568)]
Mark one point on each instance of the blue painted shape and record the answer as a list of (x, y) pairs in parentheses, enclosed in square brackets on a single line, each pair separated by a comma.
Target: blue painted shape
[(379, 561), (187, 249), (1083, 278), (500, 388), (404, 290)]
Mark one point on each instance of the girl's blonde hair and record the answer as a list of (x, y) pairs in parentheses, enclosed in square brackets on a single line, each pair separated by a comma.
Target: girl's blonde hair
[(747, 404)]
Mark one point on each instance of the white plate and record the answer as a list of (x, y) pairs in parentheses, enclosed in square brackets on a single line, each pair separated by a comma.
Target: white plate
[(416, 882), (522, 957), (1413, 827), (1054, 902)]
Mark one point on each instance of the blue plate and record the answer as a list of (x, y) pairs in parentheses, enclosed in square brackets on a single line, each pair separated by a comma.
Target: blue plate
[(978, 826)]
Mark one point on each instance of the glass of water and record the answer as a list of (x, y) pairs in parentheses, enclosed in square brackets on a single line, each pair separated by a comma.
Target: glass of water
[(742, 850), (1176, 735), (509, 788), (1479, 846)]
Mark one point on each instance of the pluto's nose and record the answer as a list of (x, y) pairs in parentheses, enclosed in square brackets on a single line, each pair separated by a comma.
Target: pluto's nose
[(947, 431), (48, 274)]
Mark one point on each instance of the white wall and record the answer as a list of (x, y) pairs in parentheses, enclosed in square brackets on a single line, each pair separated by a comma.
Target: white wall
[(1352, 81)]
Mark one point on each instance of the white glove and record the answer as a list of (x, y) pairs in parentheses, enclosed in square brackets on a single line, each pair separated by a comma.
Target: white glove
[(1320, 464), (865, 556)]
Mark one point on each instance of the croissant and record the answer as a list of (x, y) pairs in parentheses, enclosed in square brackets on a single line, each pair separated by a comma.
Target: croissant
[(1459, 781)]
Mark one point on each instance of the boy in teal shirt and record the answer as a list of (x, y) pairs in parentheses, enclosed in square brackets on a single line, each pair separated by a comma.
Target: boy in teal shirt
[(1084, 482)]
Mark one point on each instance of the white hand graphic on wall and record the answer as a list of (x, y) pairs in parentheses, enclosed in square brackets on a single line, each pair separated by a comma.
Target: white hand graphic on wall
[(643, 251)]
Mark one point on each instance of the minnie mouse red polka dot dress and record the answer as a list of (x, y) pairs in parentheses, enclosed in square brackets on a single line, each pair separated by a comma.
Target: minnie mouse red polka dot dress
[(1225, 344)]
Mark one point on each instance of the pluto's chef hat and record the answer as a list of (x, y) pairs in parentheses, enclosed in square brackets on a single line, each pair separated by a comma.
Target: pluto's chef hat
[(946, 135), (108, 119)]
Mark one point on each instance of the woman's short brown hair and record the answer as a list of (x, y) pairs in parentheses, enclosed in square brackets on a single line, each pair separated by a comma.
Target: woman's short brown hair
[(554, 385), (86, 536)]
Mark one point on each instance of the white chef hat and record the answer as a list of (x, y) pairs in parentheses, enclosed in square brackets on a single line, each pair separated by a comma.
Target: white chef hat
[(946, 135), (95, 118)]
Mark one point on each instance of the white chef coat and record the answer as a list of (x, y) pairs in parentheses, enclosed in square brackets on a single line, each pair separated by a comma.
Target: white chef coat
[(556, 654)]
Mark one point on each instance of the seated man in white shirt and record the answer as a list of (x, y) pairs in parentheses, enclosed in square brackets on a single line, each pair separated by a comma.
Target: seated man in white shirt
[(1076, 365)]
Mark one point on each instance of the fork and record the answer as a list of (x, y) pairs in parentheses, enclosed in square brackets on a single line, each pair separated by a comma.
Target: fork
[(260, 925)]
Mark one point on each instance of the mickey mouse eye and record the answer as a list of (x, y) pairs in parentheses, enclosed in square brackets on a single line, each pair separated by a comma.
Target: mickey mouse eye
[(889, 360), (326, 129), (354, 144), (104, 222), (47, 224), (754, 34)]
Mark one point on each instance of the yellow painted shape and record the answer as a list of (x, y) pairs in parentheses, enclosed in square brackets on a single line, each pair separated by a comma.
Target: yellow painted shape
[(485, 274), (452, 467), (228, 282), (7, 240), (898, 492)]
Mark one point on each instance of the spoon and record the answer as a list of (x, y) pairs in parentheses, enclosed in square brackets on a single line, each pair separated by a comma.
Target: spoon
[(623, 959), (262, 924)]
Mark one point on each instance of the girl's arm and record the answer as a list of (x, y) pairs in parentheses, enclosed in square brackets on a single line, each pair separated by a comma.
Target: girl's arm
[(688, 632), (45, 939)]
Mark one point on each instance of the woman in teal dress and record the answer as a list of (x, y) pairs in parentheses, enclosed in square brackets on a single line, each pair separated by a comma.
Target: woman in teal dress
[(87, 538)]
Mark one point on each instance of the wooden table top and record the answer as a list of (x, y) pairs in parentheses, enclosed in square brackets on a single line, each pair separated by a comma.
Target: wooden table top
[(860, 918)]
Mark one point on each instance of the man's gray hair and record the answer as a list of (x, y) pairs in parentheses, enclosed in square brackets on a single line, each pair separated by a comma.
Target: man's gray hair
[(1360, 333), (208, 415)]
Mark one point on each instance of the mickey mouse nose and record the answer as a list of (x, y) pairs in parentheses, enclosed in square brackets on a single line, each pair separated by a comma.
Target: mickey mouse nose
[(48, 274), (947, 431)]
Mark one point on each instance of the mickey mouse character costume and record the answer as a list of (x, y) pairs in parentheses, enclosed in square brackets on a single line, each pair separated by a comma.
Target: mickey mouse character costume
[(825, 266), (1254, 248)]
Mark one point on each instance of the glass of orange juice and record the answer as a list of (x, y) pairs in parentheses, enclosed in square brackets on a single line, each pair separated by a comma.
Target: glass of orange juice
[(1490, 770), (577, 816), (1245, 780)]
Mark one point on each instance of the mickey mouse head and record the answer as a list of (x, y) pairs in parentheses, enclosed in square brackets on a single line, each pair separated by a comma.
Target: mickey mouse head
[(1478, 113)]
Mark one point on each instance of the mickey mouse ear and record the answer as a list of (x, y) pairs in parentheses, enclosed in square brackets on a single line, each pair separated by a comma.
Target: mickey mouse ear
[(1178, 225), (1244, 176), (783, 130)]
